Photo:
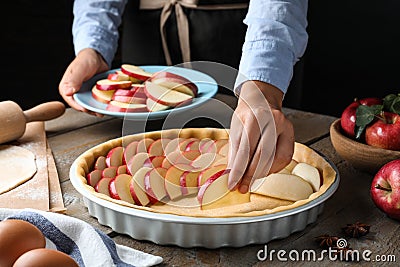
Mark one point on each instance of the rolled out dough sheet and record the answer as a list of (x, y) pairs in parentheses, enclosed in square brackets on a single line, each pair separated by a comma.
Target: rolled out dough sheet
[(18, 165)]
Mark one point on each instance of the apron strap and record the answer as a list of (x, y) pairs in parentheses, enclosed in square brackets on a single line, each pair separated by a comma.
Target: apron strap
[(182, 20)]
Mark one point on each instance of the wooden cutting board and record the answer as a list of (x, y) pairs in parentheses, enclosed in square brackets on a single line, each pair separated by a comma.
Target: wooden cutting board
[(35, 193)]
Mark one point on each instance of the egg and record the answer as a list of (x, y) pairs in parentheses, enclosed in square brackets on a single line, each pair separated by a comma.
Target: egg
[(16, 238), (43, 257)]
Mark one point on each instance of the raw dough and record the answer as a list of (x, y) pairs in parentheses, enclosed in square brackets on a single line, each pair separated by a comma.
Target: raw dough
[(17, 166)]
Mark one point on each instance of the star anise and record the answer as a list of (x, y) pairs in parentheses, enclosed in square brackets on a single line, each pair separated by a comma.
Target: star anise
[(356, 230), (326, 241)]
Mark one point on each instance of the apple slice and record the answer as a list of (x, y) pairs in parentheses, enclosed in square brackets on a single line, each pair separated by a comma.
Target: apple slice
[(102, 96), (166, 96), (121, 169), (291, 165), (119, 188), (154, 161), (193, 145), (102, 186), (100, 163), (136, 162), (124, 92), (308, 173), (133, 80), (109, 172), (157, 147), (207, 146), (172, 146), (138, 91), (93, 177), (135, 72), (114, 157), (180, 157), (188, 182), (172, 182), (154, 183), (128, 99), (106, 85), (220, 160), (224, 150), (117, 106), (283, 186), (137, 189), (209, 172), (220, 143), (144, 145), (130, 151), (118, 77), (175, 82), (205, 161), (214, 193), (153, 106)]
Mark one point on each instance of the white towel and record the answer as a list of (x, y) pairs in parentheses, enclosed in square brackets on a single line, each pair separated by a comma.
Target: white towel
[(87, 245)]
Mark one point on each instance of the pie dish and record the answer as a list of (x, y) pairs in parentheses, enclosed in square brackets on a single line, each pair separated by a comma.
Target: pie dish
[(192, 226)]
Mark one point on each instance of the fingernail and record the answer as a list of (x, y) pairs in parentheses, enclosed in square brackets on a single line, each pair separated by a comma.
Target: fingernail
[(243, 189)]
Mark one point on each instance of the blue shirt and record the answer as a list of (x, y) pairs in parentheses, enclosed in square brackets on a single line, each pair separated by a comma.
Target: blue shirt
[(276, 36)]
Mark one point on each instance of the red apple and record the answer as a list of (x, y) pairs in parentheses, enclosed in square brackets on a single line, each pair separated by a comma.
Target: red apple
[(385, 189), (348, 118), (384, 132)]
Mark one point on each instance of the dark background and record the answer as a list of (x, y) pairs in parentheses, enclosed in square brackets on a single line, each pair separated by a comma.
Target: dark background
[(352, 52)]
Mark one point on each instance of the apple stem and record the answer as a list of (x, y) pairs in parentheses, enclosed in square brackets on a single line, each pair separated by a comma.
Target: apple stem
[(378, 186)]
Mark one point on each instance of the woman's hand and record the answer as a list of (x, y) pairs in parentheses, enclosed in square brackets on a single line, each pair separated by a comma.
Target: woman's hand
[(85, 65), (261, 137)]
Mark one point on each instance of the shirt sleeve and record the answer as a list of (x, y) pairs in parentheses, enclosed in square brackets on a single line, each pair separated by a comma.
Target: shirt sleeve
[(276, 38), (96, 25)]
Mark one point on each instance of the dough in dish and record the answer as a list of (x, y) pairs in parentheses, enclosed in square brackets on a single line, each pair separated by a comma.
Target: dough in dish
[(18, 165)]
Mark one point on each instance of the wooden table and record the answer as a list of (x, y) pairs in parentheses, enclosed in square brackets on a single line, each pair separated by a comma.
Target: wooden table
[(75, 132)]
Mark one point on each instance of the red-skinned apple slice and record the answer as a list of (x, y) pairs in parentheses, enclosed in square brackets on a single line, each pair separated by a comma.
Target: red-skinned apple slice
[(214, 193), (154, 161), (125, 107), (144, 145), (166, 96), (137, 189), (180, 157), (128, 99), (283, 186), (118, 77), (157, 147), (188, 182), (106, 85), (205, 161), (153, 106), (138, 90), (132, 79), (209, 172), (308, 173), (136, 162), (154, 183), (102, 186), (114, 157), (93, 177), (172, 182), (130, 151), (175, 82), (224, 150), (172, 146), (207, 146), (119, 188), (220, 160), (122, 169), (135, 72), (100, 163), (102, 96), (109, 172), (185, 142), (220, 143), (124, 92), (193, 145)]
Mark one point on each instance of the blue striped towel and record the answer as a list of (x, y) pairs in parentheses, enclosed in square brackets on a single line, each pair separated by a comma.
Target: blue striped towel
[(87, 245)]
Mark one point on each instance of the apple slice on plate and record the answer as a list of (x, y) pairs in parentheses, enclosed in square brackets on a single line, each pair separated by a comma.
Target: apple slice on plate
[(128, 99), (118, 77), (126, 107), (138, 90), (137, 188), (102, 96), (154, 183), (119, 188), (175, 82), (106, 85), (283, 186), (214, 193), (102, 186), (308, 173), (166, 96), (114, 157), (135, 72), (153, 106)]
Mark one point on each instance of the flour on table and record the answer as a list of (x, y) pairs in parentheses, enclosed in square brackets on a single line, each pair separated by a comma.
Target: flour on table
[(18, 165)]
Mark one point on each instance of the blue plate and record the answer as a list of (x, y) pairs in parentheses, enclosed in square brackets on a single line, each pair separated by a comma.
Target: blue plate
[(207, 88)]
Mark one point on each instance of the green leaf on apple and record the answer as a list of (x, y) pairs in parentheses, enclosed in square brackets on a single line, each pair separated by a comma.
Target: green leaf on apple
[(392, 103), (364, 116)]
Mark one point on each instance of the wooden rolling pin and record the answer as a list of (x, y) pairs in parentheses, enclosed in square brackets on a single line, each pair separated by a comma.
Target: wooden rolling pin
[(13, 119)]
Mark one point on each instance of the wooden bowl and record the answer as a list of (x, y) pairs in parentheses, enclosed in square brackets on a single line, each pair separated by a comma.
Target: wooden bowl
[(361, 156)]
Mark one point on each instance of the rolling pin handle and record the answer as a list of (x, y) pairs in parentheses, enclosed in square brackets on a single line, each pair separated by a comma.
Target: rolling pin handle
[(44, 112)]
